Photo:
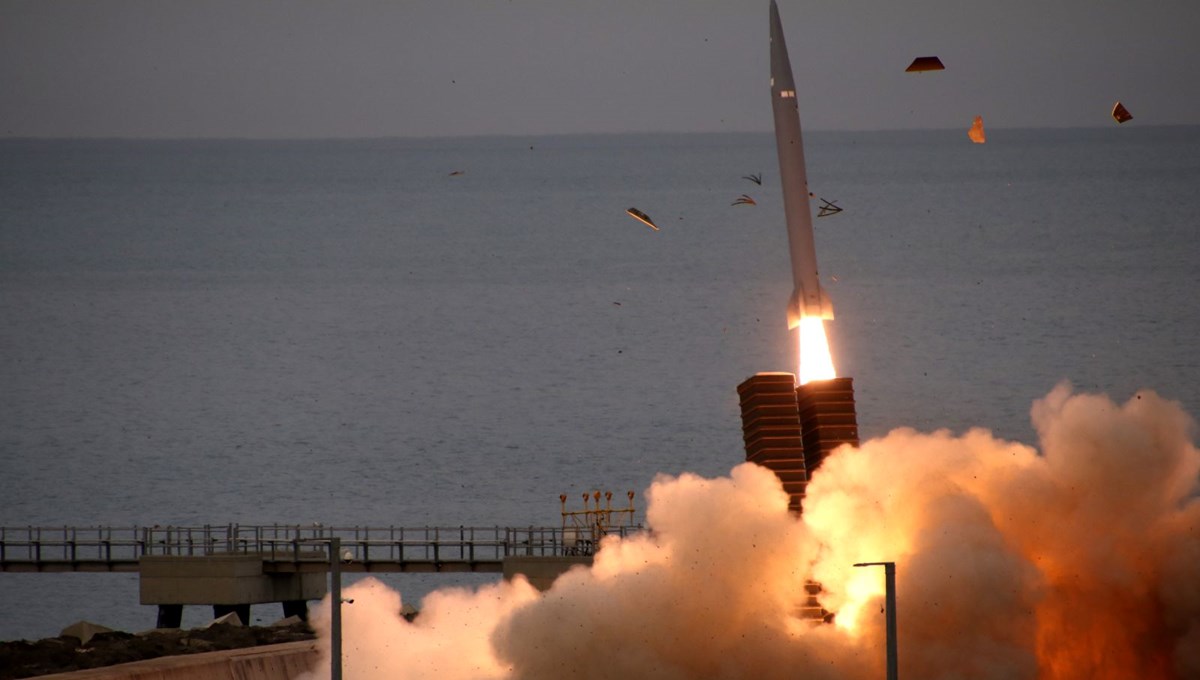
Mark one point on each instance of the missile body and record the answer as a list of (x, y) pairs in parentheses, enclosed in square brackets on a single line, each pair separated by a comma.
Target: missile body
[(808, 299)]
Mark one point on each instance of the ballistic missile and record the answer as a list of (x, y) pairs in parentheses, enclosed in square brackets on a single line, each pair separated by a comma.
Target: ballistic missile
[(807, 297)]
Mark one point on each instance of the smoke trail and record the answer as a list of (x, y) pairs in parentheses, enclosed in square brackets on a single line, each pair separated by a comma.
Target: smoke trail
[(1076, 562)]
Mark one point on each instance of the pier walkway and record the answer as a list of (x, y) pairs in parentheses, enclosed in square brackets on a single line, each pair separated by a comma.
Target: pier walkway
[(287, 549), (234, 566)]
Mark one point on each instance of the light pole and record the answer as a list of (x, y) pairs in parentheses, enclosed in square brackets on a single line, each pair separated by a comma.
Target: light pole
[(335, 591), (889, 574), (335, 597)]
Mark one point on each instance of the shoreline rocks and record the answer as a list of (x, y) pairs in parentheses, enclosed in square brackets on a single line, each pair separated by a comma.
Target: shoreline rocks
[(26, 659)]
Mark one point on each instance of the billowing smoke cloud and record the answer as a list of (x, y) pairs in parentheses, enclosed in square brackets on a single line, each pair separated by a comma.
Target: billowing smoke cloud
[(1081, 561)]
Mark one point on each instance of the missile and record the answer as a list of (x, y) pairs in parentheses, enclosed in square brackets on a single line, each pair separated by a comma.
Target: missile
[(808, 299)]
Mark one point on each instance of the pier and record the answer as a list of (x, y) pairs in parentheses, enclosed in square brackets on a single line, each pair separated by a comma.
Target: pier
[(289, 548), (231, 566)]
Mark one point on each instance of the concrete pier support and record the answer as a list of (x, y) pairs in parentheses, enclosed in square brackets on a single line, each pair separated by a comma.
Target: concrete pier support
[(297, 608), (169, 616), (226, 582)]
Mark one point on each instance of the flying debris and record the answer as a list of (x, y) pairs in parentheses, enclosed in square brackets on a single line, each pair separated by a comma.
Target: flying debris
[(744, 200), (921, 64), (828, 208), (642, 217), (976, 131), (456, 173), (808, 299), (1120, 113), (756, 178)]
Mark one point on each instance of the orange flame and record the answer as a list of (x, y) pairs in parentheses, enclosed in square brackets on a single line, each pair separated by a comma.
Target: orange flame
[(816, 363)]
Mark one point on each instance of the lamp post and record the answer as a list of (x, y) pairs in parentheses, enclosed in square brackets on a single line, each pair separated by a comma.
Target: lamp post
[(889, 573), (335, 597), (335, 592)]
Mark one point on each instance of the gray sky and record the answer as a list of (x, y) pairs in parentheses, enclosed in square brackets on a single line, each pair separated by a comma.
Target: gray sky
[(231, 68)]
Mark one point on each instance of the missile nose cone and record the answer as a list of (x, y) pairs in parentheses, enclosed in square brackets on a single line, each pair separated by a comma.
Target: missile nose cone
[(781, 67), (775, 29)]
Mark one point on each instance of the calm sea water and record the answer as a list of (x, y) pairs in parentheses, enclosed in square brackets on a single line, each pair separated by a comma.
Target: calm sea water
[(343, 332)]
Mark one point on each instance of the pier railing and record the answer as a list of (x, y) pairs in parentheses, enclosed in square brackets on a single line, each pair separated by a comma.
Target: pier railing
[(287, 547)]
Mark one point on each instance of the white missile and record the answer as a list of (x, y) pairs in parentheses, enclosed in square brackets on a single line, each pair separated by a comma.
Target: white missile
[(808, 299)]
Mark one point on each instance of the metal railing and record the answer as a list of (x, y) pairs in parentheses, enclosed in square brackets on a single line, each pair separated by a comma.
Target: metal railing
[(119, 548)]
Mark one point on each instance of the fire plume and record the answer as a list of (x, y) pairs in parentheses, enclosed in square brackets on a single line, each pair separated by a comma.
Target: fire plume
[(816, 362)]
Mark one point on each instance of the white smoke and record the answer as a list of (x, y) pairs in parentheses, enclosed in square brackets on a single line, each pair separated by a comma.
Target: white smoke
[(1078, 561)]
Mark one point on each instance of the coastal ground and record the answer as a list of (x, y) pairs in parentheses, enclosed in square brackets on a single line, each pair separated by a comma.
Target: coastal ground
[(26, 659)]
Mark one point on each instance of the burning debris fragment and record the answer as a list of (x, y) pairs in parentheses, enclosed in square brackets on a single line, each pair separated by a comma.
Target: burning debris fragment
[(1120, 113), (828, 208), (642, 217), (976, 132), (923, 64)]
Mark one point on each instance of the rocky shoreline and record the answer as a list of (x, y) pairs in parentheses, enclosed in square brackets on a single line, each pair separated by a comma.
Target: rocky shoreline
[(27, 659)]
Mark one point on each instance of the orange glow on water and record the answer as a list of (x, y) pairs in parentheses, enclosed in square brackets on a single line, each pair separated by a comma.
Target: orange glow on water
[(816, 363)]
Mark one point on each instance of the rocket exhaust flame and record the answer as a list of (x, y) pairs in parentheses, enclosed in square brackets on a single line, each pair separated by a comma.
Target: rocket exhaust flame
[(1074, 560), (816, 362)]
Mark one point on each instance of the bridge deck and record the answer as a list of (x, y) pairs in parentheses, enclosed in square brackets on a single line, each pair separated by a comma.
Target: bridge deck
[(288, 548)]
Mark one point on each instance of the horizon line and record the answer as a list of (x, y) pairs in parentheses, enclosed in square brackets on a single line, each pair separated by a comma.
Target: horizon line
[(516, 135)]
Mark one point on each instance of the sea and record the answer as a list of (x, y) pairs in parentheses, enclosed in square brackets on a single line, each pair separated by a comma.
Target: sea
[(456, 331)]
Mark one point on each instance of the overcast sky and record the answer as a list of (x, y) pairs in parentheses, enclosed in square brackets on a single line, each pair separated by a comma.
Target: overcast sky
[(233, 68)]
